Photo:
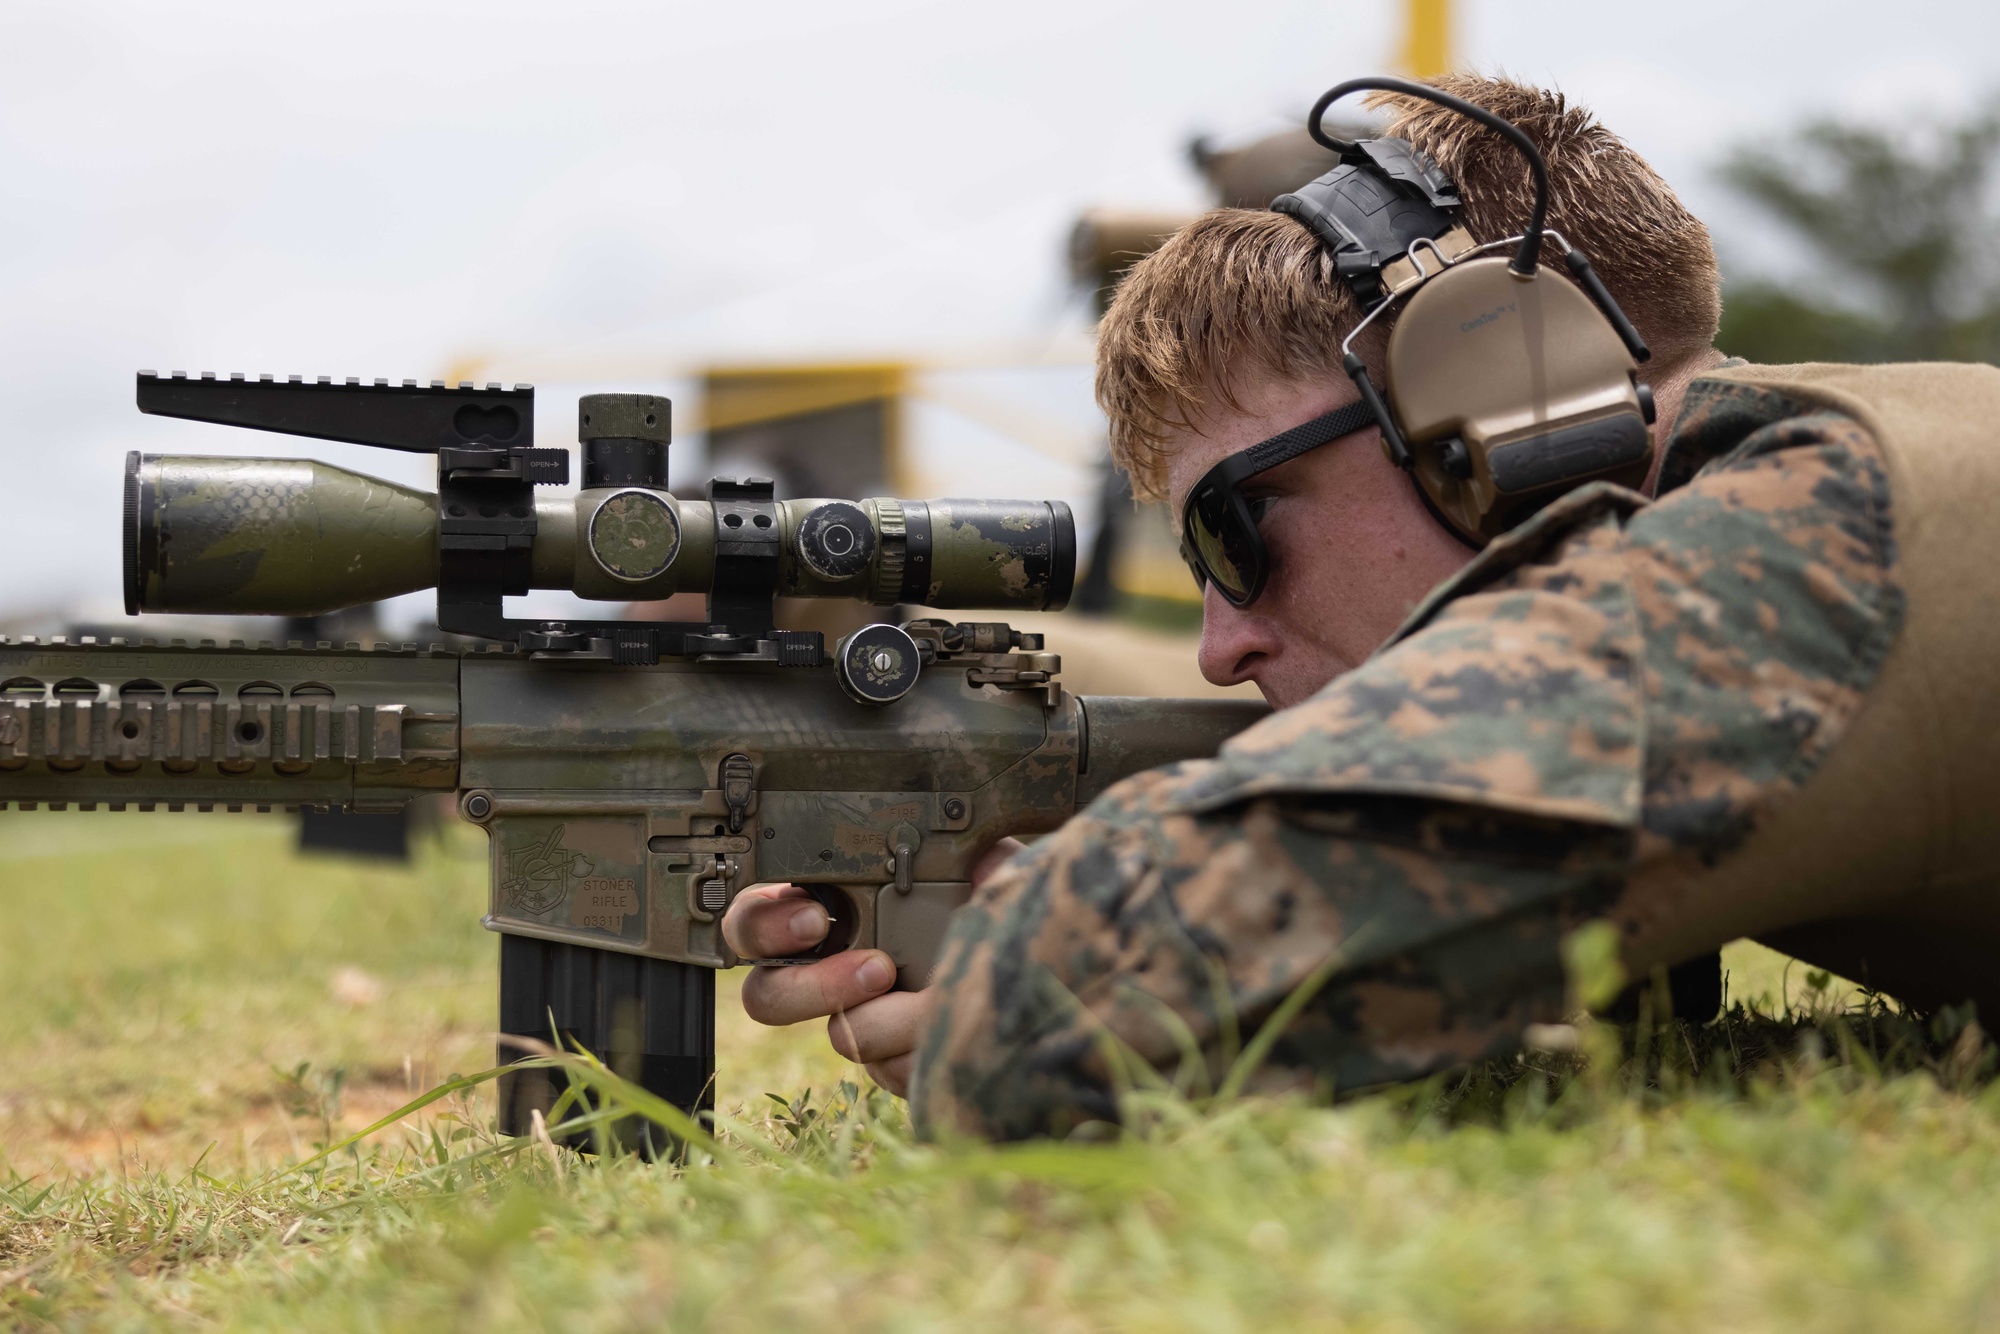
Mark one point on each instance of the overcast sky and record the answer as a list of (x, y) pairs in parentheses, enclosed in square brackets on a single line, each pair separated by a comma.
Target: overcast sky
[(571, 192)]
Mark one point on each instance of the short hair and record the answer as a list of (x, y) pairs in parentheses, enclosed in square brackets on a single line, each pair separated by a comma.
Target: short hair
[(1244, 292)]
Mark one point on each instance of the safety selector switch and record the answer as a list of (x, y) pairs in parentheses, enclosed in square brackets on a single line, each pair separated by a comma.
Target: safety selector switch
[(877, 664)]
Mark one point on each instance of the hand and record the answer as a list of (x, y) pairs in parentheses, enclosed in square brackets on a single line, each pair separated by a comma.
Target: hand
[(866, 1021)]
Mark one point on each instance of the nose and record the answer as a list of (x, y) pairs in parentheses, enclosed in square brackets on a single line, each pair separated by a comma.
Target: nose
[(1236, 643)]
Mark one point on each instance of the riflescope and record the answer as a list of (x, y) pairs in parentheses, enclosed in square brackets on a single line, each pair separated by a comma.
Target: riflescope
[(299, 537)]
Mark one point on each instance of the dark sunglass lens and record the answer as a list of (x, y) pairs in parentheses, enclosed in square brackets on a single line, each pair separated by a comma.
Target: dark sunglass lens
[(1194, 565), (1245, 545), (1216, 532)]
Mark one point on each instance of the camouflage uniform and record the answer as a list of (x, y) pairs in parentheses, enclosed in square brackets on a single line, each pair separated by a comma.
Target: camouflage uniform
[(1613, 683)]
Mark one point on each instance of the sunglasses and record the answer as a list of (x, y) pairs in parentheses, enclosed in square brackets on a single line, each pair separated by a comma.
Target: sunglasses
[(1220, 539)]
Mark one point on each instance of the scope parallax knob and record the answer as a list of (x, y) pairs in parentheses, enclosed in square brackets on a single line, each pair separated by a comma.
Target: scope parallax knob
[(877, 664), (836, 540)]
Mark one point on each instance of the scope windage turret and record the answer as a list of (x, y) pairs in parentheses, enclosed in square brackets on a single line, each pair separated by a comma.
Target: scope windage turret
[(297, 537)]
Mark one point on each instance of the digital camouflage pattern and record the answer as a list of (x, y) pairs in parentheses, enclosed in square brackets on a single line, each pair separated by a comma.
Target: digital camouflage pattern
[(1613, 682)]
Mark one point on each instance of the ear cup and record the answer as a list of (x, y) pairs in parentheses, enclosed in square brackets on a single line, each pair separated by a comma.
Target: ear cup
[(1511, 390)]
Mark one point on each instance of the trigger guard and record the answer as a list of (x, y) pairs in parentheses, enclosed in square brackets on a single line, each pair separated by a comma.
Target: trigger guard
[(842, 918)]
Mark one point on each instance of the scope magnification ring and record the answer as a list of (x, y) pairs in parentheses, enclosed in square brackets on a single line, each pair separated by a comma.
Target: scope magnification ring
[(877, 664), (836, 541), (634, 536)]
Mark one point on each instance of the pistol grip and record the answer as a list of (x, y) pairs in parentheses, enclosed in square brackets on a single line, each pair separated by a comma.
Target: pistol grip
[(911, 927)]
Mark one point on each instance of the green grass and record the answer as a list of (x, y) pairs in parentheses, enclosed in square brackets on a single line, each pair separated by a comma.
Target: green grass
[(192, 1008)]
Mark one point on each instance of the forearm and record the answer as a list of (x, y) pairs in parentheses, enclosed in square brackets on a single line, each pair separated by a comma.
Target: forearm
[(1126, 946)]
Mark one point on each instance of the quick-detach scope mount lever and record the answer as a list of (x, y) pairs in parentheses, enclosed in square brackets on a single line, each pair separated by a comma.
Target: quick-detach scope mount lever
[(488, 469)]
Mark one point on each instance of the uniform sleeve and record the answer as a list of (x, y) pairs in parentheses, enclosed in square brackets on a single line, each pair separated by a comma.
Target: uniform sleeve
[(1769, 594), (1139, 945)]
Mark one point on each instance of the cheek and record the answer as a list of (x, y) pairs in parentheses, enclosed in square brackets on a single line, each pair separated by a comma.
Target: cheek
[(1338, 543), (1315, 574), (1349, 567), (1349, 582), (1364, 520)]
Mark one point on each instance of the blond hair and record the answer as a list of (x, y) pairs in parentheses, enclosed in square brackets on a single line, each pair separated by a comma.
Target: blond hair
[(1243, 292)]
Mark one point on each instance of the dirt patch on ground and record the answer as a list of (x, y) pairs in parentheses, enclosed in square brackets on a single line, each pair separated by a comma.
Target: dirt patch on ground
[(259, 1132)]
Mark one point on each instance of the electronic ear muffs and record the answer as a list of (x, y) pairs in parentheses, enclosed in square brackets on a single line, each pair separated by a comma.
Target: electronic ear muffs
[(1506, 384)]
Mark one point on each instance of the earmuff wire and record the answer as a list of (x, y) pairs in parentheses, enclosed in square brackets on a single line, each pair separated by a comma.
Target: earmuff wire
[(1579, 267), (1392, 439), (1357, 371), (1529, 255), (1424, 274)]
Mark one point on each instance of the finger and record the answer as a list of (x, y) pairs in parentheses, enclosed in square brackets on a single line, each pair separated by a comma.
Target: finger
[(769, 923), (813, 991), (994, 858), (879, 1029), (761, 894), (894, 1073)]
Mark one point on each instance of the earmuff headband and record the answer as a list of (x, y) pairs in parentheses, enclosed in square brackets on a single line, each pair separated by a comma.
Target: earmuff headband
[(1530, 252)]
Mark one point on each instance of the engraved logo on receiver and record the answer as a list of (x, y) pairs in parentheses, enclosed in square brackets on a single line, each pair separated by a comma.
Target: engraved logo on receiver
[(540, 874)]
